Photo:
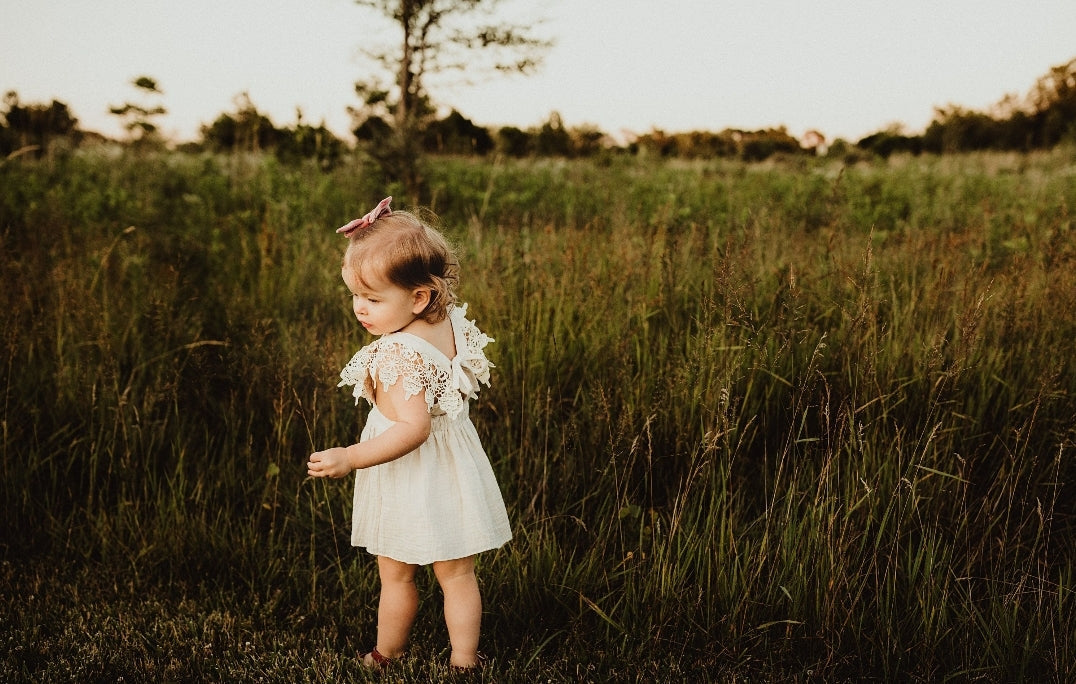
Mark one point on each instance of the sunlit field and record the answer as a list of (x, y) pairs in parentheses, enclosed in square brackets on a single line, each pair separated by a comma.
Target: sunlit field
[(800, 420)]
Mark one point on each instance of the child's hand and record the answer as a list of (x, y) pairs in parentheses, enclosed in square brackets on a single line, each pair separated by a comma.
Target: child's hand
[(329, 463)]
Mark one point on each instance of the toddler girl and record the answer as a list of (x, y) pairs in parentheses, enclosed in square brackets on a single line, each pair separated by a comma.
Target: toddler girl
[(424, 489)]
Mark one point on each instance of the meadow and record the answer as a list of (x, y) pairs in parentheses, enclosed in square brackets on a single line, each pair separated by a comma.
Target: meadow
[(803, 420)]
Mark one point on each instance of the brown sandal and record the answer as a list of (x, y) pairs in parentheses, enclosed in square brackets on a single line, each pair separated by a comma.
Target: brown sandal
[(380, 661)]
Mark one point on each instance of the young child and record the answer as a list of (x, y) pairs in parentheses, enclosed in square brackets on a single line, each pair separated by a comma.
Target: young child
[(424, 489)]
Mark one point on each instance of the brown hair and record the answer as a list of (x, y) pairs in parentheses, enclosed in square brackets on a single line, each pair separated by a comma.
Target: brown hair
[(403, 250)]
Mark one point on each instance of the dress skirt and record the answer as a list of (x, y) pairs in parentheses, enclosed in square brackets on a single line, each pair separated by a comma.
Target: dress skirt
[(439, 502)]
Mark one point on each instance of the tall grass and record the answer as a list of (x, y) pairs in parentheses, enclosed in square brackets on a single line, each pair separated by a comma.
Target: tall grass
[(779, 421)]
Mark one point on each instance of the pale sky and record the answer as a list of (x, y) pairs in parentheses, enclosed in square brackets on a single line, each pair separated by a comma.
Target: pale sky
[(845, 67)]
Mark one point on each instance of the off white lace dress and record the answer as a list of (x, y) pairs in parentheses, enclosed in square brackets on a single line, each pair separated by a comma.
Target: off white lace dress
[(441, 501)]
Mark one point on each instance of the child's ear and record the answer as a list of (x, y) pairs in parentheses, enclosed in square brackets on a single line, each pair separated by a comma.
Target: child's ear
[(421, 299)]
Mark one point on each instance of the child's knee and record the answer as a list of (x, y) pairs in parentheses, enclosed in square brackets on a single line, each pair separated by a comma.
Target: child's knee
[(454, 570), (395, 571)]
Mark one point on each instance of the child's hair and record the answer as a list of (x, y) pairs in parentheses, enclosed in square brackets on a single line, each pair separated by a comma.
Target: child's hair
[(404, 250)]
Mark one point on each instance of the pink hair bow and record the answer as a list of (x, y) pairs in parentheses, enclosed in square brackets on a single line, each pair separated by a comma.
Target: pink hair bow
[(382, 209)]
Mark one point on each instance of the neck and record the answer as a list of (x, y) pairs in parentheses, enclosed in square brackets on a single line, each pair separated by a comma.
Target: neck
[(409, 324)]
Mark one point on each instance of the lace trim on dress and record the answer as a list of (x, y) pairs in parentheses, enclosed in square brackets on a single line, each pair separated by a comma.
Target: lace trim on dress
[(445, 384)]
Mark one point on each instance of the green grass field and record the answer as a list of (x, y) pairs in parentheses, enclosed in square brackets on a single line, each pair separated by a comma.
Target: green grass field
[(795, 421)]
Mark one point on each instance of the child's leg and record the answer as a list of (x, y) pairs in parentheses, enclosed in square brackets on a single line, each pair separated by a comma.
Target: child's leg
[(463, 608), (397, 606)]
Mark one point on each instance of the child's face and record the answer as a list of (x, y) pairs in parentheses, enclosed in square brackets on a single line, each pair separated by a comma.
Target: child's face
[(383, 307)]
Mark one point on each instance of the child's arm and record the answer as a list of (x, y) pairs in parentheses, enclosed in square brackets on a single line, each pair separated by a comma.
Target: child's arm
[(411, 428)]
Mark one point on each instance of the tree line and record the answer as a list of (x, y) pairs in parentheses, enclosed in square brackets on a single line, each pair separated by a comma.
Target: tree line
[(1042, 120), (1045, 118)]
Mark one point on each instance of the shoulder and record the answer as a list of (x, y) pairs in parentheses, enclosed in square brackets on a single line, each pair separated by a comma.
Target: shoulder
[(386, 360), (396, 354)]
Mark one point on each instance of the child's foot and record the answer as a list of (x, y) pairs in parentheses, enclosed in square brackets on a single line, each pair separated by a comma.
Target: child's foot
[(475, 665), (374, 660)]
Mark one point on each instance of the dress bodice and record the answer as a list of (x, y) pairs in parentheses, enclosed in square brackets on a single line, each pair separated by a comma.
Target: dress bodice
[(446, 384)]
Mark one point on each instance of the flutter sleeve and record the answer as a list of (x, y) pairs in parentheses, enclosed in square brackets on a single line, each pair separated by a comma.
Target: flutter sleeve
[(389, 361), (470, 365), (357, 374)]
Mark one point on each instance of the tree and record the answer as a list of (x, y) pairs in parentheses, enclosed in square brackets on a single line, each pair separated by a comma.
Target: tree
[(957, 129), (31, 128), (456, 134), (1054, 101), (435, 36), (248, 130), (138, 118), (553, 140), (513, 141), (309, 142)]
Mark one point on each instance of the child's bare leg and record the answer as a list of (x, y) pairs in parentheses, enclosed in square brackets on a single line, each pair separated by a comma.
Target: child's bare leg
[(397, 606), (463, 608)]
